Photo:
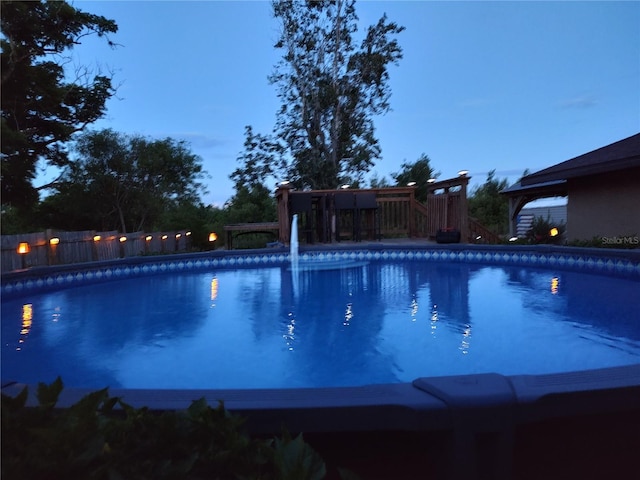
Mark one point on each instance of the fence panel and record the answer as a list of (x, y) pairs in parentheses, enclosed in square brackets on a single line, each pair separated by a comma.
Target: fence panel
[(86, 246)]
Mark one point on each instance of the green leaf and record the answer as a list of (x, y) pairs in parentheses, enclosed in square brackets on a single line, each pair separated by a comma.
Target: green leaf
[(296, 460), (13, 404), (48, 394)]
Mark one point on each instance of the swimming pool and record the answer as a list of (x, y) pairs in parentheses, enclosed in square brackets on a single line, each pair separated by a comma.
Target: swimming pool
[(366, 317)]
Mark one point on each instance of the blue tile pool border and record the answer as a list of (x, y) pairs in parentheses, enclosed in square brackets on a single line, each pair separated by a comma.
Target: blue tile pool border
[(619, 263)]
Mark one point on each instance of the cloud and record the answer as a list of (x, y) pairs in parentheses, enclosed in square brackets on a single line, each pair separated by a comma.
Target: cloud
[(197, 140), (585, 101)]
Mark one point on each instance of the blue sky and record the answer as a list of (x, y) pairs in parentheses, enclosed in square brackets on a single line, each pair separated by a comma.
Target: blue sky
[(482, 85)]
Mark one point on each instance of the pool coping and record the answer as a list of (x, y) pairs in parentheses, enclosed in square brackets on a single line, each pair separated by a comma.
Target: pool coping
[(473, 403)]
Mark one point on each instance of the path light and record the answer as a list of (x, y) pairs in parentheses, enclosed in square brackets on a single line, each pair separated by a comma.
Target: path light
[(213, 237), (412, 184), (554, 232), (23, 249), (463, 173), (513, 239)]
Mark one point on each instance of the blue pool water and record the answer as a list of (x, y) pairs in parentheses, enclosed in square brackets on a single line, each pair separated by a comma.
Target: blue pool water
[(369, 323)]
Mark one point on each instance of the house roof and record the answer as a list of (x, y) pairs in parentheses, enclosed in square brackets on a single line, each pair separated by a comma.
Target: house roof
[(619, 155)]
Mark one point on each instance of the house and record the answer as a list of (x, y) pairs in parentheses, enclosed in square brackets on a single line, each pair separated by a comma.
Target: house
[(602, 189)]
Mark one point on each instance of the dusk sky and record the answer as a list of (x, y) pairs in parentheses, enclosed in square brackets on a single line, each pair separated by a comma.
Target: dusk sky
[(482, 85)]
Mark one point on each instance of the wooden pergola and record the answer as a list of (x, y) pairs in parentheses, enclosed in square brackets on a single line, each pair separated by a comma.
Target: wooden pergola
[(333, 215)]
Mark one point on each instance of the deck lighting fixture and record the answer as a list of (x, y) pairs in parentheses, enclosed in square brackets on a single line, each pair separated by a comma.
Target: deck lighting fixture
[(412, 184), (188, 234), (123, 239), (344, 186), (23, 248), (463, 173), (96, 238), (284, 183), (431, 180), (178, 235), (213, 237), (554, 232), (148, 238), (54, 241), (164, 237), (513, 239)]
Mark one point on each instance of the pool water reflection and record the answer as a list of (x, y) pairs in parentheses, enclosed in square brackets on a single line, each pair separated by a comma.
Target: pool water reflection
[(377, 322)]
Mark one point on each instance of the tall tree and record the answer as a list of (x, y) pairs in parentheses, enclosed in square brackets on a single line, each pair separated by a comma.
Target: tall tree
[(419, 172), (128, 181), (330, 89), (41, 107), (253, 200), (488, 206)]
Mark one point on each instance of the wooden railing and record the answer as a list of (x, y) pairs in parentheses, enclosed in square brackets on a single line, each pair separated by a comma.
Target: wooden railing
[(478, 233), (399, 214)]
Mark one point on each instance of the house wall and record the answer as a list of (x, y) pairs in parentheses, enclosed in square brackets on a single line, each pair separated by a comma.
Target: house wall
[(606, 205)]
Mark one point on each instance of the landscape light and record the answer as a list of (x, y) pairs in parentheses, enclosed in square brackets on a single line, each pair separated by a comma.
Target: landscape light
[(96, 238), (213, 237), (148, 238), (54, 241), (178, 235), (23, 248), (123, 239), (164, 237), (513, 239), (554, 232), (188, 234)]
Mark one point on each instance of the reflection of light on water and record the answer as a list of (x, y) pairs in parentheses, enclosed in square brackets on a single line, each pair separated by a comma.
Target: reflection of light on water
[(214, 290), (56, 314), (465, 343), (555, 282), (27, 321), (414, 309), (434, 319), (289, 335), (348, 315)]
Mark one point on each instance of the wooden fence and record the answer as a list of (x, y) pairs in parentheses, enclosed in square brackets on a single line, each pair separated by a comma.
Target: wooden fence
[(58, 248)]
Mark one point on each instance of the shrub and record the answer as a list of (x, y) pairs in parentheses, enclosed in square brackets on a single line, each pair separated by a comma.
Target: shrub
[(102, 437)]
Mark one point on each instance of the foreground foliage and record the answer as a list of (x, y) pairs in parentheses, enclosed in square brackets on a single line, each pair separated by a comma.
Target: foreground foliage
[(103, 437)]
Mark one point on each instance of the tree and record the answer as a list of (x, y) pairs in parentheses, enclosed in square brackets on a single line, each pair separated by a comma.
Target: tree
[(41, 109), (260, 160), (488, 206), (419, 172), (127, 182), (330, 90)]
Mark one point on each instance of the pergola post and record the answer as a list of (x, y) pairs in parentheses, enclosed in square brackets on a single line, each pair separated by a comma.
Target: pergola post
[(282, 203)]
